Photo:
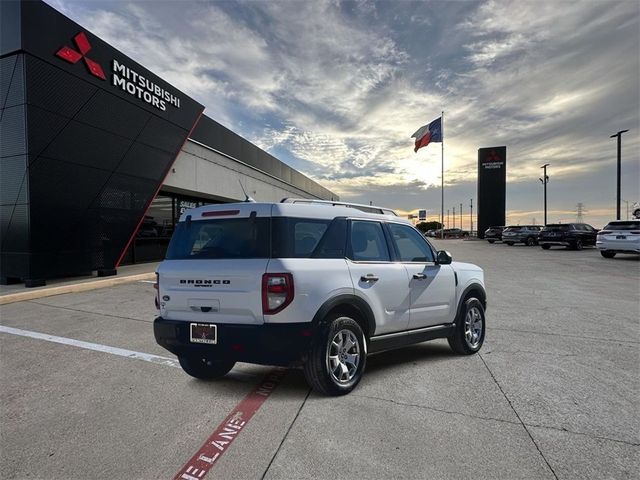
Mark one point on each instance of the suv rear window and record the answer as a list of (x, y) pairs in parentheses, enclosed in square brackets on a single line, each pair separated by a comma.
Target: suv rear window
[(630, 225), (308, 238), (220, 238)]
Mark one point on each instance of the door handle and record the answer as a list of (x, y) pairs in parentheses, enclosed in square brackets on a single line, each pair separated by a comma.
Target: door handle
[(419, 276), (369, 277)]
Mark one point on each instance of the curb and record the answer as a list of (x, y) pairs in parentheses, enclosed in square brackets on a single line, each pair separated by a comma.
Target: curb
[(74, 288)]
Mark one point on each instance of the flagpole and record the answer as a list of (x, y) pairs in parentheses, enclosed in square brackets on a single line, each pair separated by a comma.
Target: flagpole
[(442, 179)]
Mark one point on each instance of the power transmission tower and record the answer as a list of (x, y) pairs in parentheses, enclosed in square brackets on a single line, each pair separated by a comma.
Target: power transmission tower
[(580, 211)]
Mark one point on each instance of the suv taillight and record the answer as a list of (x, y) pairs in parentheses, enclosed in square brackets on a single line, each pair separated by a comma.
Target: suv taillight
[(277, 292), (604, 232), (157, 287)]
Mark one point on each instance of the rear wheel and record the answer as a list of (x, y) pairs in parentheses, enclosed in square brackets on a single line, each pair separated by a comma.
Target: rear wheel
[(509, 243), (468, 336), (531, 242), (205, 369), (607, 253), (577, 245), (338, 356), (491, 241), (545, 246)]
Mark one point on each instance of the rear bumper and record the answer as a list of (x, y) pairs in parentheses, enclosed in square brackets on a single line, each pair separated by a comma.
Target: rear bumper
[(267, 344), (618, 246)]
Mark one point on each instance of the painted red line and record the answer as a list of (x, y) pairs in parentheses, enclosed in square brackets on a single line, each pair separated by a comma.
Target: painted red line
[(223, 436)]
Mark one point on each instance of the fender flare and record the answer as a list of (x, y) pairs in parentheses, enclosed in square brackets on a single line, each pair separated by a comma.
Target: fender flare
[(473, 287), (348, 300)]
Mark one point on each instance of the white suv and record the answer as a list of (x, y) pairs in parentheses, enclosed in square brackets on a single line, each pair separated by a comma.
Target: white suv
[(318, 284)]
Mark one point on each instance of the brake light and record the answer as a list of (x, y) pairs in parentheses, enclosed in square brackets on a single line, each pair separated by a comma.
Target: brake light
[(604, 232), (635, 232), (277, 292), (220, 213), (157, 287)]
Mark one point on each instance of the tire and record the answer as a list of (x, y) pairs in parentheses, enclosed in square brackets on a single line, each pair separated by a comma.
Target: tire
[(530, 242), (607, 253), (491, 241), (330, 368), (577, 245), (545, 246), (468, 336), (509, 243), (205, 369)]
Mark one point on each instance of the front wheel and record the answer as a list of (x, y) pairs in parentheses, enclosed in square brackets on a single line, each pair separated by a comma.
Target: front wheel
[(468, 336), (509, 243), (577, 245), (205, 369), (491, 241), (607, 253), (545, 246), (338, 356), (531, 242)]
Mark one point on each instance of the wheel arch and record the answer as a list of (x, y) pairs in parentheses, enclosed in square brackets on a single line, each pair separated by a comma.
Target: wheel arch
[(473, 290), (350, 305)]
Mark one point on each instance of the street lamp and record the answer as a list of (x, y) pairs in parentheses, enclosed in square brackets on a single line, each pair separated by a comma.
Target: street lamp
[(545, 180), (619, 135)]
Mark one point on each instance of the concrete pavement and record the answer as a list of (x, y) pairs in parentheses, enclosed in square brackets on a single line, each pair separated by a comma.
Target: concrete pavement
[(553, 393)]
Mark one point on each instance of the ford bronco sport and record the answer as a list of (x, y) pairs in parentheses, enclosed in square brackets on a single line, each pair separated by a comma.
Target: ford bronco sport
[(320, 284)]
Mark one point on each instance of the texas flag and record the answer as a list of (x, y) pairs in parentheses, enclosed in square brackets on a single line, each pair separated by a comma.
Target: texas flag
[(427, 134)]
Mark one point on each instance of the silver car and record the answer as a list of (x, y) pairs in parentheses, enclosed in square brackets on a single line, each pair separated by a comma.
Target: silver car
[(619, 236)]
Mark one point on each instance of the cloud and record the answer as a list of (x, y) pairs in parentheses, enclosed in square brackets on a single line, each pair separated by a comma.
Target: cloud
[(335, 89)]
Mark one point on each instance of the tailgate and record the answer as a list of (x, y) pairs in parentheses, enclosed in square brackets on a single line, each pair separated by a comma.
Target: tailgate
[(215, 291)]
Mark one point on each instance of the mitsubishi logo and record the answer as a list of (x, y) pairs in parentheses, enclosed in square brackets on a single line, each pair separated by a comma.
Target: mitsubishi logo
[(73, 56), (493, 157)]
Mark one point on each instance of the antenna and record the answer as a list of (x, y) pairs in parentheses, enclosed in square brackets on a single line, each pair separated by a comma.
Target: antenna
[(247, 198)]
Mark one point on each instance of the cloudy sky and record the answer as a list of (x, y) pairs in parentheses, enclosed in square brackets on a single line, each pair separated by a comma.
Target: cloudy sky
[(335, 89)]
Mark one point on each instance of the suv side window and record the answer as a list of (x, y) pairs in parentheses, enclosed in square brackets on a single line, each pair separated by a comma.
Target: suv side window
[(410, 245), (367, 242)]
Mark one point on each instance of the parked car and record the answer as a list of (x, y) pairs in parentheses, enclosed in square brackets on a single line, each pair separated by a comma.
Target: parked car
[(619, 236), (455, 233), (527, 234), (493, 234), (571, 235), (311, 283)]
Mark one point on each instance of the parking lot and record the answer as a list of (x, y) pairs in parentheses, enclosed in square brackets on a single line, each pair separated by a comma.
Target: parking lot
[(553, 393)]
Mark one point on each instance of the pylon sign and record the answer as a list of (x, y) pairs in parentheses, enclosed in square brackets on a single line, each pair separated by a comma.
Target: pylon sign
[(492, 180)]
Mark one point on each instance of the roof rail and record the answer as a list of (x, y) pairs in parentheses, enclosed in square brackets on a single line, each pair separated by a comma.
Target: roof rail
[(357, 206)]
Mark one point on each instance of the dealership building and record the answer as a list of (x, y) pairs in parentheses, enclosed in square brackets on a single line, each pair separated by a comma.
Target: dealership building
[(99, 156)]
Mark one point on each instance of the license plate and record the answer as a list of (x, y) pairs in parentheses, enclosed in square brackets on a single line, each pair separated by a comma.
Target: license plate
[(621, 237), (203, 333)]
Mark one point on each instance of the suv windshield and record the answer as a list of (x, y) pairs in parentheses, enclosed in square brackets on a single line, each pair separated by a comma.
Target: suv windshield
[(630, 225), (220, 238)]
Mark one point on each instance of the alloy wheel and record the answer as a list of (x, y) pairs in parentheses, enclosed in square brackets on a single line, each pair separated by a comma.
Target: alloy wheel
[(473, 326), (343, 356)]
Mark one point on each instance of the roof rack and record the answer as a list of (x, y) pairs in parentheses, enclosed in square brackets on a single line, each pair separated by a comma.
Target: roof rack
[(357, 206)]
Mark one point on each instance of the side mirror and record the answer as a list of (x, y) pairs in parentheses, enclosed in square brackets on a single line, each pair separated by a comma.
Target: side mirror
[(444, 257)]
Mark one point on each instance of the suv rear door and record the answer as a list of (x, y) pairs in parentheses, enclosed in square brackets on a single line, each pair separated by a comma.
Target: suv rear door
[(383, 284), (214, 265), (432, 286)]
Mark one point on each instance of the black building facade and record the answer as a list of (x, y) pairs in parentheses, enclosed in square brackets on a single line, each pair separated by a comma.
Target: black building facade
[(87, 137)]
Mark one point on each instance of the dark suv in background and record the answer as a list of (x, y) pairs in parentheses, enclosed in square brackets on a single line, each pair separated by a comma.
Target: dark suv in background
[(493, 234), (572, 235), (527, 234)]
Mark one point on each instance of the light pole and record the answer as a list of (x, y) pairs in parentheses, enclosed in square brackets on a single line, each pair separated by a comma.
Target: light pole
[(545, 180), (619, 135), (471, 213), (447, 218), (454, 217)]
